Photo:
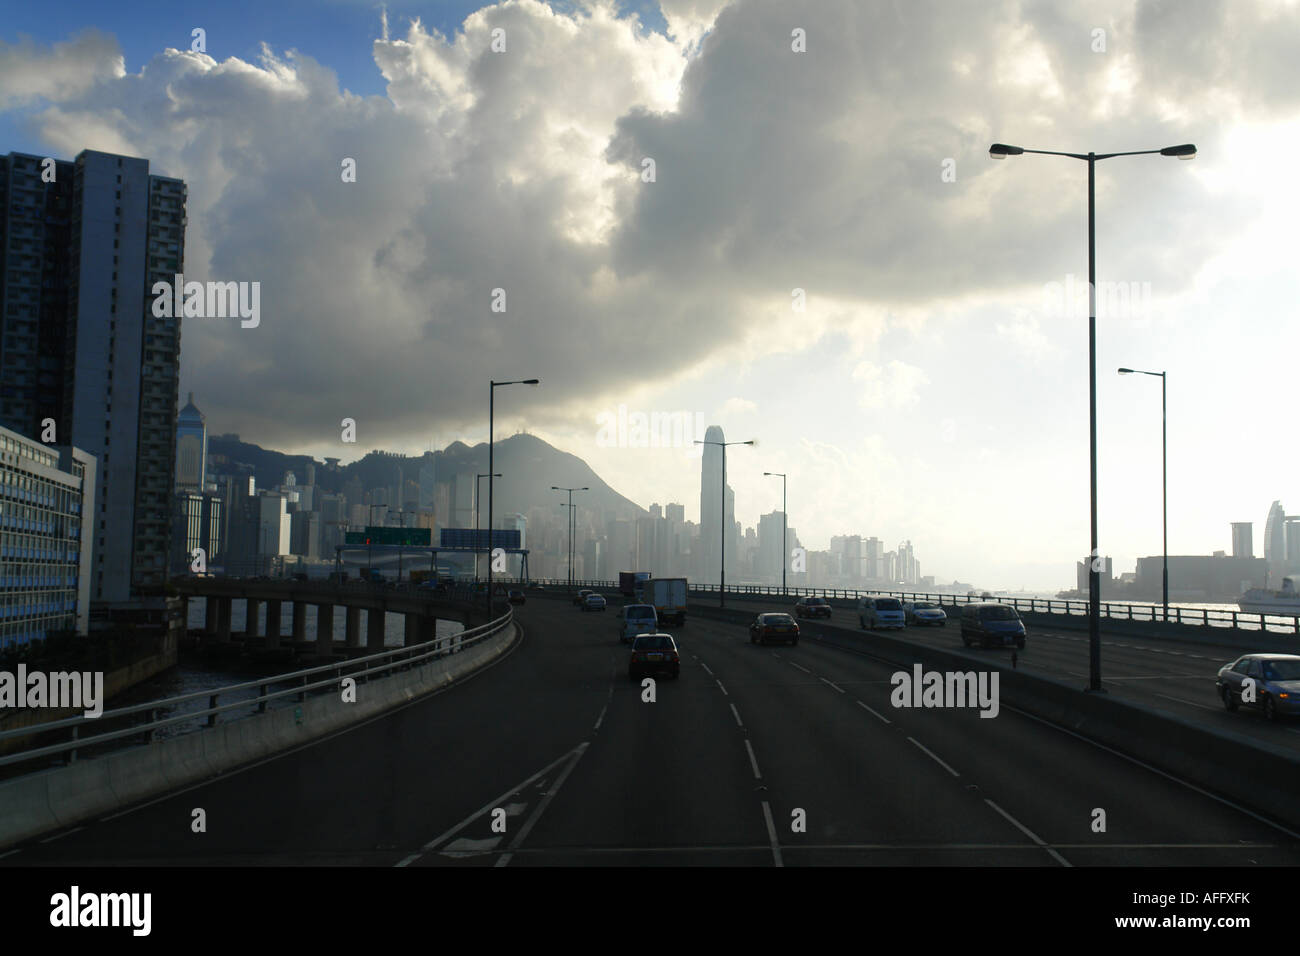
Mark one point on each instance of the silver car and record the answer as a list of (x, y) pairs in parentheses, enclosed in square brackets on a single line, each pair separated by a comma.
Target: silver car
[(880, 612), (1270, 682), (924, 612)]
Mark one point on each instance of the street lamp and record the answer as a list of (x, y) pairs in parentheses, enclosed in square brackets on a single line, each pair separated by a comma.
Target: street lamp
[(573, 524), (478, 507), (722, 517), (1001, 151), (1164, 478), (785, 523), (492, 394)]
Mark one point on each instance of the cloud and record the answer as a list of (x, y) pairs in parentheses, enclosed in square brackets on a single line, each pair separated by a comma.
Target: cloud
[(895, 385), (30, 73)]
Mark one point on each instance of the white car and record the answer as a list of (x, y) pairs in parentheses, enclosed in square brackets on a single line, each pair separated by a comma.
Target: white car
[(637, 619), (593, 602), (879, 612), (924, 612)]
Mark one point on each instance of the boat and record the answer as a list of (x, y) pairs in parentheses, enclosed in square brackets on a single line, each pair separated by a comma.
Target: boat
[(1267, 601)]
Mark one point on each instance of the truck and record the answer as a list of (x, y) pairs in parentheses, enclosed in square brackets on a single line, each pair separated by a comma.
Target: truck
[(631, 582), (668, 597)]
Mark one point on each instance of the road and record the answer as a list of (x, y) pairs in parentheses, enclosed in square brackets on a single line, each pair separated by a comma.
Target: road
[(718, 770)]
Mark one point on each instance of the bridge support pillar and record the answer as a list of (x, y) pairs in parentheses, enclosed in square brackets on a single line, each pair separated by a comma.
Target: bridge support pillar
[(353, 625), (223, 620), (374, 629), (324, 629), (272, 624), (419, 629), (299, 622), (252, 624), (210, 617)]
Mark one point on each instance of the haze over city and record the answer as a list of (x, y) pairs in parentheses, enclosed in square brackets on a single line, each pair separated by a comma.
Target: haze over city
[(934, 385)]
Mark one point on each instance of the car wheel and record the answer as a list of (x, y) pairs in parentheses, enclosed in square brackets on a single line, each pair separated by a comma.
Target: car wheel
[(676, 674), (1020, 645), (1229, 701), (1270, 709), (795, 642)]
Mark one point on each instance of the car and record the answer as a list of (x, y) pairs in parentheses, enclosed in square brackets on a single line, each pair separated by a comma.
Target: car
[(581, 597), (593, 602), (924, 612), (990, 624), (812, 607), (879, 612), (774, 627), (637, 619), (515, 596), (654, 653), (1277, 683)]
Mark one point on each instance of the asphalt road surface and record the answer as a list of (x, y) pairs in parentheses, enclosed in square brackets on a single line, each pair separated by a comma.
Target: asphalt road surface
[(756, 756)]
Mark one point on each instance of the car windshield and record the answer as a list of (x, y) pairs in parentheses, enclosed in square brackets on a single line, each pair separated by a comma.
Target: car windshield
[(816, 600), (926, 607), (1282, 670), (653, 642), (888, 604), (999, 613)]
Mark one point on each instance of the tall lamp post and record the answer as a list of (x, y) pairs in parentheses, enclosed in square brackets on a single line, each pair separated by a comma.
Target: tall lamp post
[(1164, 479), (478, 506), (785, 524), (722, 517), (492, 393), (572, 526), (1002, 151)]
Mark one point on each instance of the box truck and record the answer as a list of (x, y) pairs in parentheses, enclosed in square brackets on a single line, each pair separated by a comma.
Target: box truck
[(668, 596)]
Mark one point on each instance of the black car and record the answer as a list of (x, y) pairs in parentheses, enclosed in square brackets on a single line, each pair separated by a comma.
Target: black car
[(654, 653), (812, 607), (774, 627), (516, 596)]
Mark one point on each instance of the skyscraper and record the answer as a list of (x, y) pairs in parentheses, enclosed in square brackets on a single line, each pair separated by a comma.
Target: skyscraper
[(81, 347), (709, 561), (1243, 545), (1275, 539), (191, 448)]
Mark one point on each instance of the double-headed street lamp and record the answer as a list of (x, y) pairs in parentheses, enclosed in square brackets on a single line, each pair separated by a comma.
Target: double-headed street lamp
[(785, 523), (722, 517), (492, 393), (572, 526), (478, 506), (1002, 151), (1164, 479)]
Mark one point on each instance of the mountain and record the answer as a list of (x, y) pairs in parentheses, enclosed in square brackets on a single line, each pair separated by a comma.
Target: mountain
[(528, 465)]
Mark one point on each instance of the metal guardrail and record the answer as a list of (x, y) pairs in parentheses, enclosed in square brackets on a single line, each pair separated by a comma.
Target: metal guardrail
[(373, 665), (1119, 611)]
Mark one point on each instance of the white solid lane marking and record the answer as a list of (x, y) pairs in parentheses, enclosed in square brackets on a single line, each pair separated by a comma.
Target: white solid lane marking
[(1189, 703), (873, 713), (737, 714), (933, 756), (60, 836), (771, 835), (541, 807), (1028, 832), (486, 808), (752, 761), (831, 684), (10, 853)]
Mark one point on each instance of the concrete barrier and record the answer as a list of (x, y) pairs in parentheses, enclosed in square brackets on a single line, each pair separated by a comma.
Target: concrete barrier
[(1253, 773), (38, 803)]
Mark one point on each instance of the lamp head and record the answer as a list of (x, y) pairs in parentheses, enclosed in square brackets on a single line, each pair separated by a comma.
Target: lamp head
[(1002, 151)]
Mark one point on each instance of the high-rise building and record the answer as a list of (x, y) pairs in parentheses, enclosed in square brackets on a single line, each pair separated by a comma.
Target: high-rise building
[(772, 538), (1243, 533), (711, 506), (191, 448), (81, 349), (1275, 538), (675, 512), (428, 482), (46, 495)]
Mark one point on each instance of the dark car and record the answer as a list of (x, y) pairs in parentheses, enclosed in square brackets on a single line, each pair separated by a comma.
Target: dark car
[(580, 598), (991, 625), (654, 654), (1276, 684), (774, 627), (516, 596), (812, 607)]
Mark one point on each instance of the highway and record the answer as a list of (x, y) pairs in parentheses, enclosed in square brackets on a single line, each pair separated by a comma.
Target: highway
[(714, 772), (1173, 676)]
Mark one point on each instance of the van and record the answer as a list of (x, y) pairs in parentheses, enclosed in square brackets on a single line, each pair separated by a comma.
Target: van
[(636, 619), (991, 625), (874, 612)]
